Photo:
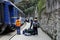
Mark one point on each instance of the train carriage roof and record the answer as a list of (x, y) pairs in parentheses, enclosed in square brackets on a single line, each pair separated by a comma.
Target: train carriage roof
[(10, 3)]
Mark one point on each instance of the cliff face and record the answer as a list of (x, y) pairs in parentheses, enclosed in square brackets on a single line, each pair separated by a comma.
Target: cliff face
[(50, 21), (51, 5)]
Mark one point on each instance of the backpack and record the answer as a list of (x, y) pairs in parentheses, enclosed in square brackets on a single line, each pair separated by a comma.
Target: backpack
[(35, 24)]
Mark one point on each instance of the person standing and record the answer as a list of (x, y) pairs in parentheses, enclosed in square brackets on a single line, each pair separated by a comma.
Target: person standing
[(18, 25), (35, 26), (31, 23)]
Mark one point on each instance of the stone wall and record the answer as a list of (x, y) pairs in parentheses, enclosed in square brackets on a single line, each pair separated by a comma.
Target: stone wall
[(50, 21)]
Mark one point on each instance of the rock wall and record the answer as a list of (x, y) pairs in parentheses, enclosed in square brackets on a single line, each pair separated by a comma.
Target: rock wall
[(50, 21), (49, 24)]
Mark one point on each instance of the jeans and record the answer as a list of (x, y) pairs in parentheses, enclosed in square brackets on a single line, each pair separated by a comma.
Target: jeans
[(18, 30), (35, 30)]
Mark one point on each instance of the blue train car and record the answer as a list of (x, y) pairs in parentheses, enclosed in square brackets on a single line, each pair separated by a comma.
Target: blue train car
[(9, 13)]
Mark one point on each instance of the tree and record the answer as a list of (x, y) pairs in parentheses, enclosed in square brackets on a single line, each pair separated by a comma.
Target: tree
[(41, 5)]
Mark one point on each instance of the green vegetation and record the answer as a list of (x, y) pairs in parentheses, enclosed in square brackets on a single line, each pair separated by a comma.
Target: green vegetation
[(41, 4), (28, 6)]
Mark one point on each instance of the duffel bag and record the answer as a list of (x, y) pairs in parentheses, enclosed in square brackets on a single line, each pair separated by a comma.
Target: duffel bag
[(27, 34), (25, 31), (30, 30)]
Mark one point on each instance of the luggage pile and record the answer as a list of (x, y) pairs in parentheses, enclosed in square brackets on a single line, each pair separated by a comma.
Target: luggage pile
[(28, 32)]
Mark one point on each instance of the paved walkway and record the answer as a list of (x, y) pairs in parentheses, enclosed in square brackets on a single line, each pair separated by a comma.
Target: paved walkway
[(9, 35), (41, 35)]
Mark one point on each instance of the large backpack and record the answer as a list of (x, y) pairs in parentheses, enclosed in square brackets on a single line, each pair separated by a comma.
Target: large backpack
[(35, 24)]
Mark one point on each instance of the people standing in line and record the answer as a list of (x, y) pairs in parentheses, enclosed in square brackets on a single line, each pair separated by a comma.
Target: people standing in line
[(35, 26), (18, 25)]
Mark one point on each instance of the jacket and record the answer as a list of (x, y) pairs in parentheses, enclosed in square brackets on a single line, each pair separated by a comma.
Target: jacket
[(18, 23)]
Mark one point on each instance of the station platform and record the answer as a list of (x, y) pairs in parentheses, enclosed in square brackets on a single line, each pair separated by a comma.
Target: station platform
[(11, 34), (41, 35)]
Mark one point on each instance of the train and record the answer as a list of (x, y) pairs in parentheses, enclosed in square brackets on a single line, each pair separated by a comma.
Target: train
[(8, 15)]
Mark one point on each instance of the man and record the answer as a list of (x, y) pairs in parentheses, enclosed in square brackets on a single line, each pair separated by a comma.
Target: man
[(18, 25), (35, 26), (31, 23)]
